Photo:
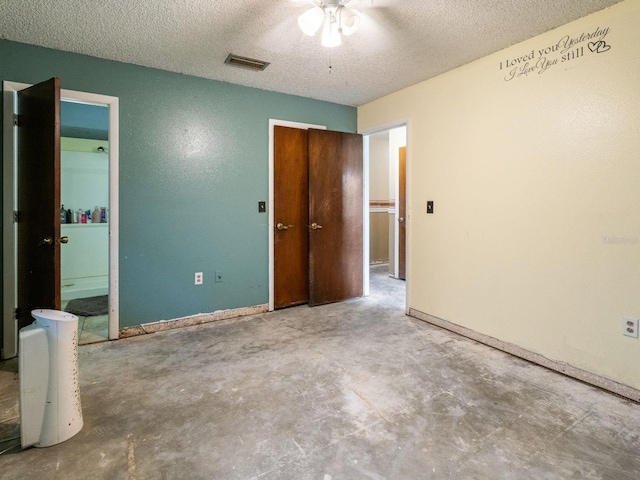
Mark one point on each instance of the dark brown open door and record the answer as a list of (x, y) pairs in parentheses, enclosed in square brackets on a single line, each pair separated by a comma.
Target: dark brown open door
[(291, 217), (336, 216), (38, 199), (402, 213)]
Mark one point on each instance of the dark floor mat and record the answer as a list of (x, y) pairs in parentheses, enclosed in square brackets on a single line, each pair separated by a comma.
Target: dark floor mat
[(88, 307)]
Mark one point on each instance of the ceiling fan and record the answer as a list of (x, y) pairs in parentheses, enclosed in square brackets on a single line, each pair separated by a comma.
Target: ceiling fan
[(336, 17)]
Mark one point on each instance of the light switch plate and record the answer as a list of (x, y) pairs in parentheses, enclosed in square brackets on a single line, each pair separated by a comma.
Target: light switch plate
[(430, 206)]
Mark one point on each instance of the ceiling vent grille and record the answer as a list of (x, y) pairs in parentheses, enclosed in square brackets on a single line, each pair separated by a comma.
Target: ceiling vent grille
[(244, 62)]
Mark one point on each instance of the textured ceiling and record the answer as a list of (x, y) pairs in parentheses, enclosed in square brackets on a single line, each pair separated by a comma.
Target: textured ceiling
[(399, 43)]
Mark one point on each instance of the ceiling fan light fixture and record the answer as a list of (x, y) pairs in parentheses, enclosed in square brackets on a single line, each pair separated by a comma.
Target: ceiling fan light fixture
[(311, 21), (331, 34), (334, 18), (349, 21)]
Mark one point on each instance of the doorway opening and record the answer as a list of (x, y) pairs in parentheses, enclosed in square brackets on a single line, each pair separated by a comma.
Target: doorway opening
[(10, 253), (84, 195), (387, 219)]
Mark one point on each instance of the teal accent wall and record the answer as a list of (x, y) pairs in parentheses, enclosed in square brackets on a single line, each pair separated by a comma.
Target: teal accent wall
[(193, 166), (80, 120)]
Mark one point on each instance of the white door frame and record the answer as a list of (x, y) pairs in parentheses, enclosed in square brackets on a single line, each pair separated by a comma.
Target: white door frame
[(405, 122), (9, 202)]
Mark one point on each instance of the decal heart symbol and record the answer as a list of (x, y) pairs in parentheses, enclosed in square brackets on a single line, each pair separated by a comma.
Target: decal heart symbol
[(603, 47), (599, 47)]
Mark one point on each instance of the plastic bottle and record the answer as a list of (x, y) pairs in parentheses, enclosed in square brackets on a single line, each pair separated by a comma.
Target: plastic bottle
[(103, 215), (95, 215), (63, 215)]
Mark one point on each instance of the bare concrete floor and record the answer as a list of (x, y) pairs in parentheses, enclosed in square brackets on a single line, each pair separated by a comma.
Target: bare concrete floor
[(348, 391)]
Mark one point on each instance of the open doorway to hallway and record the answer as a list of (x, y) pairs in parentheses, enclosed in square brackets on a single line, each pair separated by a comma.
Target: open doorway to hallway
[(386, 290), (386, 154)]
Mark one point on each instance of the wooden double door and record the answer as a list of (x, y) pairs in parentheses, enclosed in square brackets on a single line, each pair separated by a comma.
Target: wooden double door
[(318, 216)]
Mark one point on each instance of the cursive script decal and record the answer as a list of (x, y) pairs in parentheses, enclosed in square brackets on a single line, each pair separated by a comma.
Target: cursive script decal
[(540, 60)]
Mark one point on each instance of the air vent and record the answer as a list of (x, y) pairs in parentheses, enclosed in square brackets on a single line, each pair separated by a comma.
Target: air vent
[(244, 62)]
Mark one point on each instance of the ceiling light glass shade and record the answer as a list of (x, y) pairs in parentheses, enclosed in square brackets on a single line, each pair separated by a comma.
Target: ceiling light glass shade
[(349, 21), (330, 33), (311, 20)]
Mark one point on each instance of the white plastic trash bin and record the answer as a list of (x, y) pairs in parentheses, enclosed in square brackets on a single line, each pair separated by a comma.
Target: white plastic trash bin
[(50, 410)]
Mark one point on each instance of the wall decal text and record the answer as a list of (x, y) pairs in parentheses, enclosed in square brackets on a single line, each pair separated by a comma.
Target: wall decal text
[(568, 48)]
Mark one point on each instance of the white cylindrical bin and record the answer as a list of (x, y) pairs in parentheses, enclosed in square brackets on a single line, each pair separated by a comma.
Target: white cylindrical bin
[(50, 409)]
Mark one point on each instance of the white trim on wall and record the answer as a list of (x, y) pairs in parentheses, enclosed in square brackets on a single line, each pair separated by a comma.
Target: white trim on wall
[(9, 324), (366, 221)]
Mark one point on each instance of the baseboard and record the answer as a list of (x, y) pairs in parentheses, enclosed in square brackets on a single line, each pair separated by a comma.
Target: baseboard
[(199, 319), (568, 370)]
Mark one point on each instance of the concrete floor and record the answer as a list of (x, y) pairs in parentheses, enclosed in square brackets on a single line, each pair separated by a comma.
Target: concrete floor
[(347, 391)]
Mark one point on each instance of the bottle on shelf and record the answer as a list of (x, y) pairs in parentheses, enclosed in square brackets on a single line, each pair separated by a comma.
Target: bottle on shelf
[(95, 215), (63, 215)]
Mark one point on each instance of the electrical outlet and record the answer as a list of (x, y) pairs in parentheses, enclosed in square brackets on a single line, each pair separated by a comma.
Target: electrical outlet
[(198, 280), (630, 327), (218, 276)]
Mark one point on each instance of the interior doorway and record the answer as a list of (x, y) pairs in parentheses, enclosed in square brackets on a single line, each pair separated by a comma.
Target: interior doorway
[(385, 157), (84, 197), (10, 251)]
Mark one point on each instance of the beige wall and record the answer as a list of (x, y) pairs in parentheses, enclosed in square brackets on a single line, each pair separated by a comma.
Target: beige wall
[(378, 237), (378, 191), (535, 239), (379, 167)]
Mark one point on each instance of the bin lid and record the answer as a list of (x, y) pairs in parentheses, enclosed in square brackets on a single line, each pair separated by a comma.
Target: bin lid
[(56, 315)]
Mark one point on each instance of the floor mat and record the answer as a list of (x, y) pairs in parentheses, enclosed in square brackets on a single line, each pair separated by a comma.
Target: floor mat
[(89, 307)]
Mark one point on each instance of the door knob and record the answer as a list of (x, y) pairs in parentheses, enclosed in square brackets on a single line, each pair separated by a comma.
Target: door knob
[(281, 226), (315, 226), (49, 240), (401, 219)]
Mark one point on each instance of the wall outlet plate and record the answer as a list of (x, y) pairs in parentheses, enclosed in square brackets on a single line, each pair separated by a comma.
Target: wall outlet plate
[(198, 279), (630, 327)]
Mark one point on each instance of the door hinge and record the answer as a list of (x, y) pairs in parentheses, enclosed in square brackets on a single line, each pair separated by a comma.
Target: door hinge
[(15, 119), (16, 216)]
